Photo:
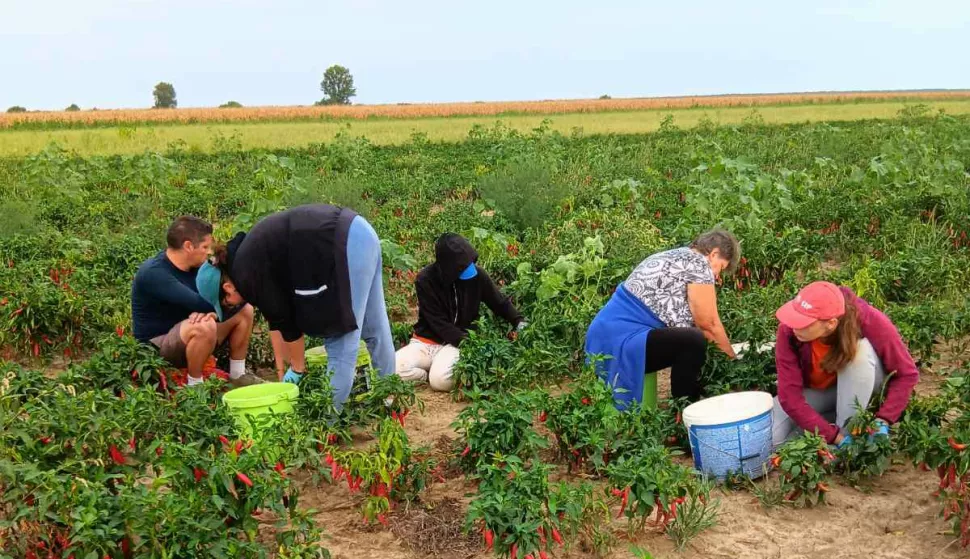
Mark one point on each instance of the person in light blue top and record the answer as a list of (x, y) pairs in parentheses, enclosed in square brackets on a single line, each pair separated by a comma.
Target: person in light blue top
[(662, 316)]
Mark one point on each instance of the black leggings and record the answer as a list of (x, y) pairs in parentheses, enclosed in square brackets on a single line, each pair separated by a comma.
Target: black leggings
[(684, 350)]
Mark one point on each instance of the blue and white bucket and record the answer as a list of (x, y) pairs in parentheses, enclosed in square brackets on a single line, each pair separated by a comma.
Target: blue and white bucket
[(730, 433)]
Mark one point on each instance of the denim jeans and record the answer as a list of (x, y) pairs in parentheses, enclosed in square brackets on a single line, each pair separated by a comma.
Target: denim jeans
[(364, 262)]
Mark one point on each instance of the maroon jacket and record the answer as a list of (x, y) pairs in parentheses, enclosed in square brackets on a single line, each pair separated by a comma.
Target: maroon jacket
[(794, 359)]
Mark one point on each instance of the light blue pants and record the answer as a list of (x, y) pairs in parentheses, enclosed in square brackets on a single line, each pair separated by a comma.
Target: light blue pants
[(367, 299), (859, 381)]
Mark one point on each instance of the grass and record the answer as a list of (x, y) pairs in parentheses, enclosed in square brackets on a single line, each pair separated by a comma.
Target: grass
[(217, 137)]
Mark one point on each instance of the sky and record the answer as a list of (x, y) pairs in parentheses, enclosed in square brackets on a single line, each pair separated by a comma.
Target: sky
[(110, 54)]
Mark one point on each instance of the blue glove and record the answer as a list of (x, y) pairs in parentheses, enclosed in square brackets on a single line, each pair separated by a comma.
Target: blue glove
[(882, 431), (846, 441), (292, 376)]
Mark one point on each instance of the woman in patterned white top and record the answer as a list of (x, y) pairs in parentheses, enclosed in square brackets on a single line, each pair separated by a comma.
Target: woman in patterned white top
[(663, 315)]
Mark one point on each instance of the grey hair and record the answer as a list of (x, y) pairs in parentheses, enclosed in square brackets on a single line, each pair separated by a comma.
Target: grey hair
[(723, 240)]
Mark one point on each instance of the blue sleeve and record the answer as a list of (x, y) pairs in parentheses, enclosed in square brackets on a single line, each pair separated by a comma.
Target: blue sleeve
[(167, 288)]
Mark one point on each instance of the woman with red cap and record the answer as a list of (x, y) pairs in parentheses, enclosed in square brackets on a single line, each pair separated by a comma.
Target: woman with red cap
[(833, 348)]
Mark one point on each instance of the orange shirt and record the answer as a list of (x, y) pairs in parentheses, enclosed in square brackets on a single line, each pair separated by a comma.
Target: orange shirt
[(818, 378)]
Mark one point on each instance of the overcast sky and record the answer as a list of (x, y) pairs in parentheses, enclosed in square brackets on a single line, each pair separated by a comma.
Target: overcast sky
[(109, 53)]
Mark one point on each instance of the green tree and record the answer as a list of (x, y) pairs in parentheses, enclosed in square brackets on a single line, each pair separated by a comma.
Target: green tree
[(338, 86), (165, 96), (16, 109), (231, 105), (73, 107)]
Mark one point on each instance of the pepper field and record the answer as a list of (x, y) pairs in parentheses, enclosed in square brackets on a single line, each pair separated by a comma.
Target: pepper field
[(102, 454)]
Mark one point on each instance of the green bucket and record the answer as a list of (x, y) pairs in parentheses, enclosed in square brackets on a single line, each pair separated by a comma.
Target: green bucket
[(649, 401), (317, 356), (260, 399)]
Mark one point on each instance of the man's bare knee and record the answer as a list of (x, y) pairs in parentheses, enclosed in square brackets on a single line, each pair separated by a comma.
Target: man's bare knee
[(204, 332), (247, 313)]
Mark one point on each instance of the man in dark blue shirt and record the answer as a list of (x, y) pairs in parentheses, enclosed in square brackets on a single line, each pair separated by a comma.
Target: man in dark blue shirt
[(168, 312)]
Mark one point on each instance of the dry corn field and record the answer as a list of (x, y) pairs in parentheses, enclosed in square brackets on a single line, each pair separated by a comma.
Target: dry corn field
[(405, 111)]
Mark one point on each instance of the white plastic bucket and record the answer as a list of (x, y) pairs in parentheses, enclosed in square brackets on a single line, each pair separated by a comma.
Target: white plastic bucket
[(730, 433)]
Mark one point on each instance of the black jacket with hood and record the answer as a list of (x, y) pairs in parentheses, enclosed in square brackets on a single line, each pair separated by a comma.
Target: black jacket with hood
[(292, 266), (447, 306)]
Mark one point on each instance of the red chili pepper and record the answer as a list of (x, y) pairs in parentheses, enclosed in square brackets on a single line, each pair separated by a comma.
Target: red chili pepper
[(159, 451), (223, 440), (120, 331), (465, 452), (556, 536), (332, 438), (489, 538), (542, 535), (329, 459), (515, 551), (280, 469), (955, 445), (625, 494), (239, 447), (116, 456), (382, 519), (45, 440), (198, 473), (586, 401), (245, 479), (543, 555), (529, 556), (131, 444), (543, 416)]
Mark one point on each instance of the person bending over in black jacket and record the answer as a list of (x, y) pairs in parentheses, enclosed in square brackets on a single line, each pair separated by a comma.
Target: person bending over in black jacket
[(311, 270), (450, 292)]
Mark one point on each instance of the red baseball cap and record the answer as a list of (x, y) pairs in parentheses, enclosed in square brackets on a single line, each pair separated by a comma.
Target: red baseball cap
[(817, 301)]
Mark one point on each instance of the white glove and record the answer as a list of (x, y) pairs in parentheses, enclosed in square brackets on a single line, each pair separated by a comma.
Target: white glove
[(522, 326)]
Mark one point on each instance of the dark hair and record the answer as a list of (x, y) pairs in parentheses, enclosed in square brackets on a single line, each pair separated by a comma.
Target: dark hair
[(220, 259), (724, 241), (187, 228), (844, 341)]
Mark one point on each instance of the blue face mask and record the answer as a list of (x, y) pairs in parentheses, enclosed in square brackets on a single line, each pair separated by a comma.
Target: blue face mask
[(470, 272)]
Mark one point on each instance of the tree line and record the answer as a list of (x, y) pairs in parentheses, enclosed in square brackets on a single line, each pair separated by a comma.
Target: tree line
[(337, 86)]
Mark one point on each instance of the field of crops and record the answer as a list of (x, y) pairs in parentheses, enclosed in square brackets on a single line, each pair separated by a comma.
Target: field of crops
[(115, 117), (102, 455)]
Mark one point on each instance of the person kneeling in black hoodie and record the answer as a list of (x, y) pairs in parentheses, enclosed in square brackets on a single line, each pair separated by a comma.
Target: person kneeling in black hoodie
[(450, 292)]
